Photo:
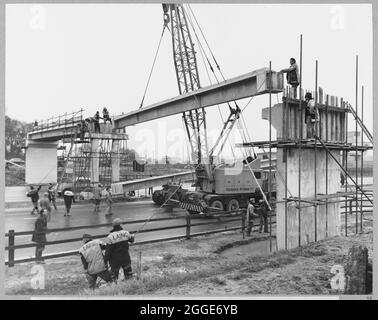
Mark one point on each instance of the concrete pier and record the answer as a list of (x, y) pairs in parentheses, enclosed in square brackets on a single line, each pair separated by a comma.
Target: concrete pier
[(316, 219), (41, 162)]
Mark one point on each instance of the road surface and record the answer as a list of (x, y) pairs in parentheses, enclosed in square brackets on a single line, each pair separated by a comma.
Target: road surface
[(83, 214)]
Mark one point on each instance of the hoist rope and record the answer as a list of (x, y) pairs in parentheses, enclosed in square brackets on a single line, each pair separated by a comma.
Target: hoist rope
[(150, 217), (153, 65)]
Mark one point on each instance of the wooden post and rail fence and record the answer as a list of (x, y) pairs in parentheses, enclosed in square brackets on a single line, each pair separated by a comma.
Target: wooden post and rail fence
[(223, 218)]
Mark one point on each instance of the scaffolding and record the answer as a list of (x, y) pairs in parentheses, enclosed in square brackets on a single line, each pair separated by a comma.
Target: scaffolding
[(74, 164), (356, 198)]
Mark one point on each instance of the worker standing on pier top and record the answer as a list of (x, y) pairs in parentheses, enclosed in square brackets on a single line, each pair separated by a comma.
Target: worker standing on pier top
[(96, 120), (311, 116), (105, 116), (292, 76)]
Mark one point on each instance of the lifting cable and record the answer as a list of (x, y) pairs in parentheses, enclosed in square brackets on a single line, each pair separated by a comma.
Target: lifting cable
[(218, 67), (203, 53), (153, 65), (150, 217)]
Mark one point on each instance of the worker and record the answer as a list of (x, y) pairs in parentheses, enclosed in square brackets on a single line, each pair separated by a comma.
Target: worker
[(117, 250), (311, 116), (342, 179), (88, 121), (262, 211), (39, 235), (52, 195), (93, 261), (108, 201), (68, 197), (105, 115), (82, 126), (96, 120), (250, 215), (97, 197), (34, 196), (292, 76), (45, 205), (257, 196)]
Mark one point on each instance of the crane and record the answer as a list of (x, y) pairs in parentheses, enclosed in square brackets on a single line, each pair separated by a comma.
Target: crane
[(187, 75), (215, 186)]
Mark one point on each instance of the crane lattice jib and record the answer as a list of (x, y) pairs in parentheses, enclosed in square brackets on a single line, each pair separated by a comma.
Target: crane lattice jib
[(185, 61)]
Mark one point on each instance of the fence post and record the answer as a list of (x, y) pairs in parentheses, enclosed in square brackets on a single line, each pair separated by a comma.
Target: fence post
[(11, 249), (139, 265), (188, 226)]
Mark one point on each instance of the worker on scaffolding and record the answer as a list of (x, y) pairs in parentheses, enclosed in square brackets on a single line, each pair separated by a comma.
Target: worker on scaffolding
[(292, 76), (93, 261), (117, 250), (83, 128), (96, 121), (311, 116), (106, 116)]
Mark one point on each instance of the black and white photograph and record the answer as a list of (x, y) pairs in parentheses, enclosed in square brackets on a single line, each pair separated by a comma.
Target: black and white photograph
[(188, 150)]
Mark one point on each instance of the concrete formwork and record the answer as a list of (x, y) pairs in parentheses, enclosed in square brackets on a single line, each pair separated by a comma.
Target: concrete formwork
[(319, 174)]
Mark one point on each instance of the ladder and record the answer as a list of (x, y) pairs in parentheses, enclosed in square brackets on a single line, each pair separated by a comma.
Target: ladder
[(365, 130)]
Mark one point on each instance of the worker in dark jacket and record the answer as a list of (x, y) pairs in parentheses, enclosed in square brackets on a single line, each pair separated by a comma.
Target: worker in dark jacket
[(93, 260), (117, 250), (39, 235), (106, 116), (34, 196), (292, 76), (96, 120), (263, 211)]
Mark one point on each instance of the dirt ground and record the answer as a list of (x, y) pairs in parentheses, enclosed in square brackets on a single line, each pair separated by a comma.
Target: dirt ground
[(215, 265)]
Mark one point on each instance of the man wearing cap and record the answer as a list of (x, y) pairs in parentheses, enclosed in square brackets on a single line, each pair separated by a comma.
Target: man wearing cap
[(117, 250), (93, 260)]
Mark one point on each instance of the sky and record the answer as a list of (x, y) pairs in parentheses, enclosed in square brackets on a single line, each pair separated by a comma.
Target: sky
[(63, 57)]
